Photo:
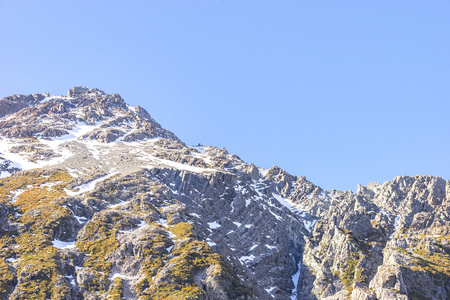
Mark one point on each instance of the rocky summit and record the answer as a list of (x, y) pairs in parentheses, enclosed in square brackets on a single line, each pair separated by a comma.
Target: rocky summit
[(98, 201)]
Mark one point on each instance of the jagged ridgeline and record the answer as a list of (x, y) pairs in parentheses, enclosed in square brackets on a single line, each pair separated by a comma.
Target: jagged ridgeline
[(98, 201)]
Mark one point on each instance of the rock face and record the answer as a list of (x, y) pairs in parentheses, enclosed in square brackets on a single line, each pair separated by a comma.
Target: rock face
[(98, 201), (110, 118)]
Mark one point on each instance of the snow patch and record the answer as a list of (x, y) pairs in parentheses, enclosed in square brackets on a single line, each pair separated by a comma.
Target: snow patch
[(21, 161), (309, 225), (210, 243), (162, 222), (275, 215), (47, 99), (237, 224), (295, 279), (117, 205), (63, 245), (118, 275), (246, 259), (88, 187), (395, 226), (283, 201), (214, 225), (16, 194), (180, 166), (72, 280), (232, 206), (385, 213), (4, 174), (80, 219), (80, 129), (269, 290)]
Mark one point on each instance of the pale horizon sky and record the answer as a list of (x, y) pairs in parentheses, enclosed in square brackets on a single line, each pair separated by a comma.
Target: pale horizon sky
[(342, 92)]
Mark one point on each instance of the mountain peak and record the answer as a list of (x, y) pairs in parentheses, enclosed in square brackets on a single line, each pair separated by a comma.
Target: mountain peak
[(51, 117), (98, 201), (78, 90)]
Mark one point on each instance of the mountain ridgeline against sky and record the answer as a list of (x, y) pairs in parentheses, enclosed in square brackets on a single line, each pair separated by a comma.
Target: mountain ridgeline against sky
[(98, 201)]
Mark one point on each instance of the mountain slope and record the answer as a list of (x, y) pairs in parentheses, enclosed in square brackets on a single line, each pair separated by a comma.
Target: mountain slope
[(98, 201)]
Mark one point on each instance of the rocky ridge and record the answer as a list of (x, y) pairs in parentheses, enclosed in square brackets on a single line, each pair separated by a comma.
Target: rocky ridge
[(98, 201)]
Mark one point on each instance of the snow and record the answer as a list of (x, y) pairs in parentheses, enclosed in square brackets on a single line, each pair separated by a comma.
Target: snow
[(195, 215), (11, 260), (295, 279), (50, 184), (395, 226), (199, 148), (87, 187), (269, 290), (180, 166), (202, 155), (142, 224), (309, 225), (245, 259), (275, 215), (385, 213), (21, 161), (118, 275), (253, 247), (210, 243), (237, 224), (4, 174), (77, 131), (263, 172), (132, 108), (50, 98), (162, 222), (172, 236), (72, 280), (63, 245), (16, 195), (214, 225), (114, 206), (270, 247), (80, 219), (283, 201), (139, 226), (169, 249)]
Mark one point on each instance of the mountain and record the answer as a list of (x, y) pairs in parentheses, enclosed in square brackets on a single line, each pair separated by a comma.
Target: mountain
[(98, 201)]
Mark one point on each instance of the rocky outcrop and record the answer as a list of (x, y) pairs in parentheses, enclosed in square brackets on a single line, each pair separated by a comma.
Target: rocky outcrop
[(388, 241), (98, 201), (42, 116), (12, 104)]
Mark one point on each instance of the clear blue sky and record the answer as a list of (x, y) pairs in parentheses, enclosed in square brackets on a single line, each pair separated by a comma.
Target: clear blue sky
[(342, 92)]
